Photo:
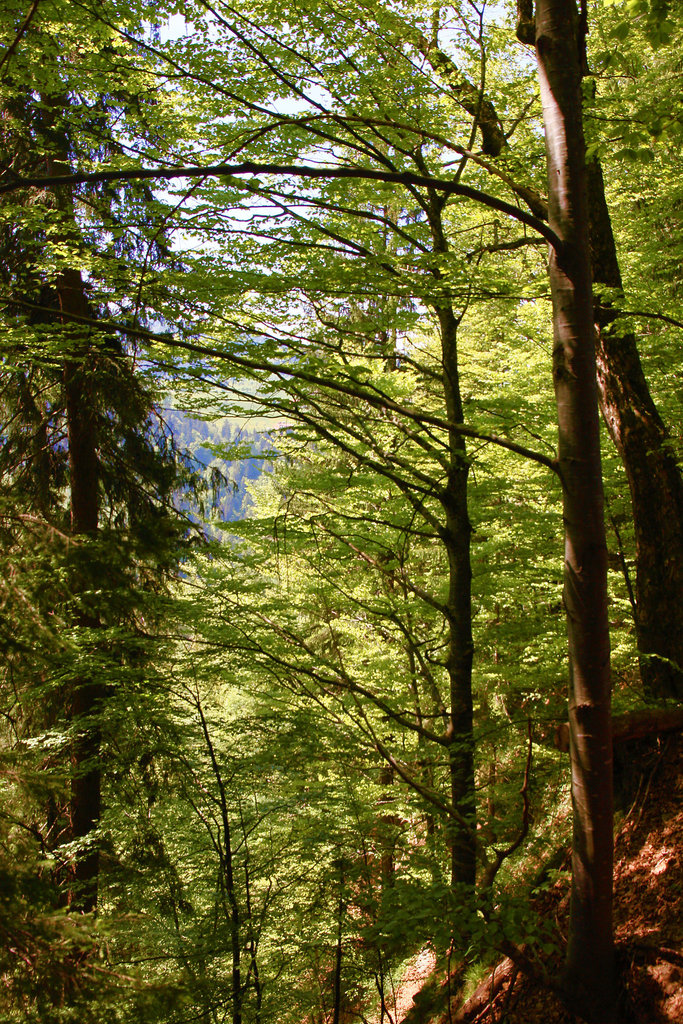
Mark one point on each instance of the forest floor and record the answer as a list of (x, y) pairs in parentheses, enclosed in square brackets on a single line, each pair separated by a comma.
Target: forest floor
[(648, 918), (401, 1000)]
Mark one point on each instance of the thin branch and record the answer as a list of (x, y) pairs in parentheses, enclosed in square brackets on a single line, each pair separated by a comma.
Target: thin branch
[(407, 178), (622, 560), (20, 32), (423, 595), (502, 855), (286, 371), (651, 316)]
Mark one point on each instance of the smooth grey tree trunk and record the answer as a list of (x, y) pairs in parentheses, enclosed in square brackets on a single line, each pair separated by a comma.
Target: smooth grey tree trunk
[(589, 976)]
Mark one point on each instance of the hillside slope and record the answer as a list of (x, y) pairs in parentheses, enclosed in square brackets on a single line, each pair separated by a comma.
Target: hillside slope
[(648, 917)]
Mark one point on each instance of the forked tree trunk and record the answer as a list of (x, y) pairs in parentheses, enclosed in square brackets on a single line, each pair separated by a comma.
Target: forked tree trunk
[(589, 974)]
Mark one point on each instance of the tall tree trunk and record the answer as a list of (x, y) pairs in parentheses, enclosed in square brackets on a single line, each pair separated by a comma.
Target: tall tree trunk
[(87, 693), (653, 475), (387, 824), (456, 537), (339, 951), (460, 650), (641, 438), (227, 879), (590, 956)]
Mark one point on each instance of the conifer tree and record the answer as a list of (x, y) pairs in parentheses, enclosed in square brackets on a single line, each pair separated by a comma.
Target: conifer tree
[(92, 536)]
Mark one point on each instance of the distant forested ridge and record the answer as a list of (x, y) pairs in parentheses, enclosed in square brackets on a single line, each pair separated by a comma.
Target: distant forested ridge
[(229, 455)]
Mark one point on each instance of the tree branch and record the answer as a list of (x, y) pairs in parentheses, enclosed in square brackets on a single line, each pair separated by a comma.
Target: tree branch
[(20, 32), (407, 178), (286, 370)]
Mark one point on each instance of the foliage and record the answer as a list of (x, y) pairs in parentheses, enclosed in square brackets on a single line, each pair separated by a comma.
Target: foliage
[(357, 357)]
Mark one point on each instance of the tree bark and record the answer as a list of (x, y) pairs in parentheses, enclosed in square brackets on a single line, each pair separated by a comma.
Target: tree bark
[(79, 391), (504, 973), (631, 417), (654, 478), (87, 693), (460, 651), (456, 536), (589, 973), (636, 725), (338, 952), (227, 870)]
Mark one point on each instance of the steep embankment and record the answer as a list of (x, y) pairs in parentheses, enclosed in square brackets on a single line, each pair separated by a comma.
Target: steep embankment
[(648, 915)]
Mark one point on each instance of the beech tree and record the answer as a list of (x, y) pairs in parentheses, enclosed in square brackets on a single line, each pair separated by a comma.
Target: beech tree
[(321, 138), (590, 964), (642, 439)]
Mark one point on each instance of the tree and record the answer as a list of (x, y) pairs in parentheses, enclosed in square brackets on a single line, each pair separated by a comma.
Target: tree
[(636, 427), (356, 136), (89, 480), (590, 964), (642, 439), (634, 424)]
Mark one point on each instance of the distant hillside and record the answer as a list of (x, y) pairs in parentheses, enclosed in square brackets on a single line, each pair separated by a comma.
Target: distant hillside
[(232, 451)]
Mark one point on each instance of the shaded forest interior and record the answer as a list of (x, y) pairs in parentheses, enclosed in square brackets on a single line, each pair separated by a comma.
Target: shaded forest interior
[(341, 512)]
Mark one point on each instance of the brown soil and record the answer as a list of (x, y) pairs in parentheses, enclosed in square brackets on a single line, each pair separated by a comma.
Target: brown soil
[(648, 915), (400, 1002), (648, 889)]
